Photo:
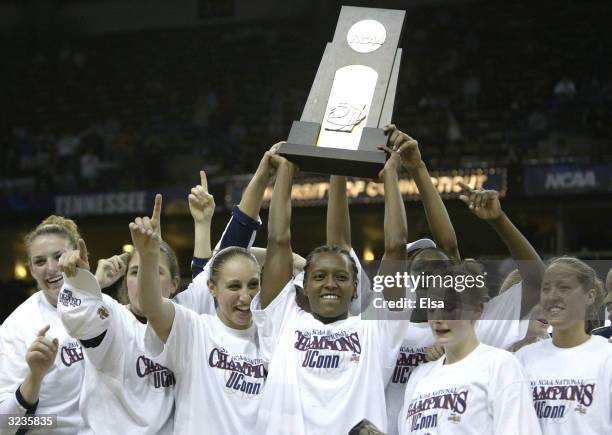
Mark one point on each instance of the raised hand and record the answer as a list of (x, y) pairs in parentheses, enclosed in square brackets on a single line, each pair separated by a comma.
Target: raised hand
[(111, 269), (146, 232), (483, 203), (266, 170), (70, 260), (41, 354), (275, 161), (201, 203), (393, 163), (406, 147)]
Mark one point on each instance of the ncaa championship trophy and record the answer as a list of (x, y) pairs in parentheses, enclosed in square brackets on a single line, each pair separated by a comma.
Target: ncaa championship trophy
[(352, 97)]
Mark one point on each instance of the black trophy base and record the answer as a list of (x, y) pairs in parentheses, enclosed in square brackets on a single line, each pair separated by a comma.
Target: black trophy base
[(352, 163), (364, 162)]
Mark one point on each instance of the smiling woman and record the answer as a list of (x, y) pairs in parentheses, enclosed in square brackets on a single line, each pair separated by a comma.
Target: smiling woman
[(181, 339), (571, 293), (571, 375), (41, 366), (45, 245), (324, 361), (234, 281), (324, 265)]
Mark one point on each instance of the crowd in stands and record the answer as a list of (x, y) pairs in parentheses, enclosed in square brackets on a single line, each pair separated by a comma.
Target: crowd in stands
[(483, 83)]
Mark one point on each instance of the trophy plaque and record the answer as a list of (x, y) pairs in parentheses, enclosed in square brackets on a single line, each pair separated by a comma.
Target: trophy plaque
[(352, 97)]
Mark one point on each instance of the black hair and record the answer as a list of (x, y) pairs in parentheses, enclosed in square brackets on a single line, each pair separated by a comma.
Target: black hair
[(333, 249)]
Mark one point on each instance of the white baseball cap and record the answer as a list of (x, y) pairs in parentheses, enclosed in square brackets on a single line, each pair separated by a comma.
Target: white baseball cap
[(420, 244), (81, 307)]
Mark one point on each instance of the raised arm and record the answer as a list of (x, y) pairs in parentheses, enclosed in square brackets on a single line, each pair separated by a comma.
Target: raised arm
[(252, 197), (244, 223), (100, 336), (395, 223), (202, 208), (278, 267), (485, 205), (437, 216), (338, 226), (146, 236)]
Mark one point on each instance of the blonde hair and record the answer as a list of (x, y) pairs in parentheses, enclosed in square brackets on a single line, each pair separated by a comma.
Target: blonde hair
[(58, 225), (587, 277)]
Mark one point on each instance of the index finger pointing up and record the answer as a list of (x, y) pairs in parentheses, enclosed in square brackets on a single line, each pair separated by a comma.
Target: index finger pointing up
[(43, 331), (203, 180), (157, 208)]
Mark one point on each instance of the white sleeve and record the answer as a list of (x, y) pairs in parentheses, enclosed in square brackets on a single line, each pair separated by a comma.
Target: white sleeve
[(392, 334), (176, 353), (95, 319), (196, 297), (272, 320), (13, 369), (500, 324), (511, 401), (607, 380), (81, 308), (10, 406), (13, 366), (107, 355)]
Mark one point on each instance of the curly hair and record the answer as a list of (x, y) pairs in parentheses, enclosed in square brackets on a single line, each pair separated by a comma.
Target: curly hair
[(53, 224)]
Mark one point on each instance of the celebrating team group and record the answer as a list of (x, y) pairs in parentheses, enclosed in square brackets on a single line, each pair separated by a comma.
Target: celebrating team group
[(264, 341)]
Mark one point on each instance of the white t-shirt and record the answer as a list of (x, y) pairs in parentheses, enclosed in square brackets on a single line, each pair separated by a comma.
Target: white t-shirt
[(59, 392), (219, 373), (572, 388), (500, 324), (411, 355), (324, 378), (124, 391), (499, 333), (484, 393)]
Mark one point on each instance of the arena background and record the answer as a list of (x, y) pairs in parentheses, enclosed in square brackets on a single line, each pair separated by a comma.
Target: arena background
[(105, 102)]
